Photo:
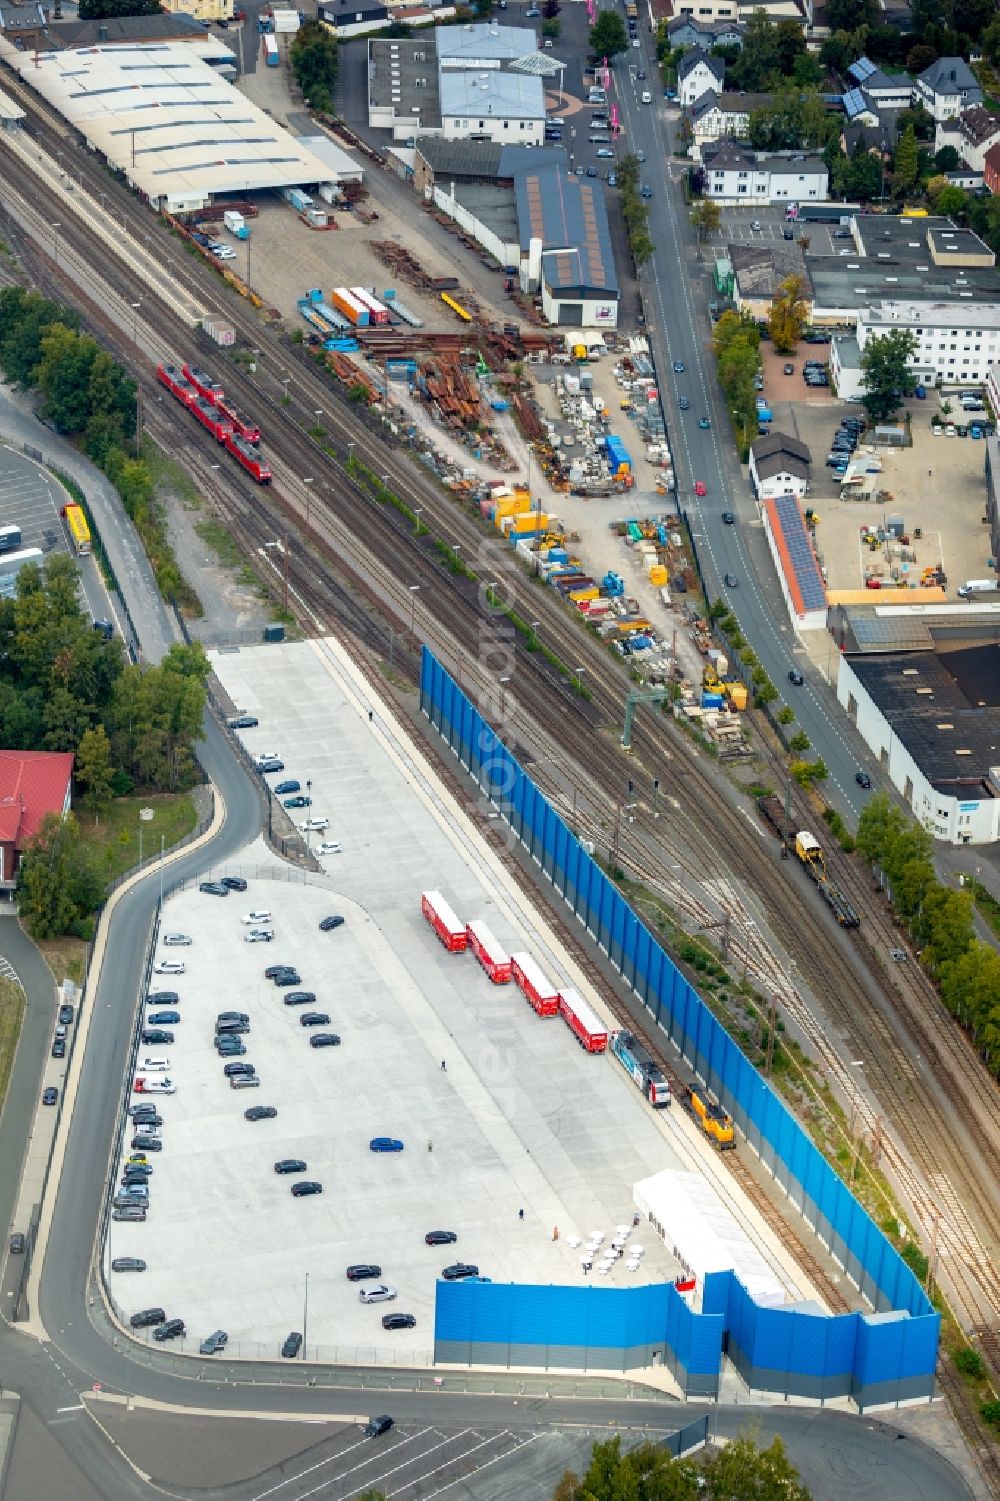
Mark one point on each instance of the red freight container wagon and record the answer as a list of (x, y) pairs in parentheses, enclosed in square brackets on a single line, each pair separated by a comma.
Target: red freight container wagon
[(442, 919), (489, 952), (204, 384), (243, 429), (210, 417), (589, 1032), (537, 990)]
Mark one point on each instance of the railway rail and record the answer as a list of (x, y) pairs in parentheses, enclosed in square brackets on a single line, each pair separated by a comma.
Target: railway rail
[(346, 522)]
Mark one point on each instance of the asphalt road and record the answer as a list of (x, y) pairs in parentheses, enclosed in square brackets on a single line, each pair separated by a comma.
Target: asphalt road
[(676, 288)]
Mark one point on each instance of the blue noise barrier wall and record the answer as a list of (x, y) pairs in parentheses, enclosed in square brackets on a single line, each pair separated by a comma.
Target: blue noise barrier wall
[(886, 1357)]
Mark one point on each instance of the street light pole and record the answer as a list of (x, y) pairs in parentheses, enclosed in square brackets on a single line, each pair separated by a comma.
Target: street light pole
[(307, 483), (414, 591), (305, 1322)]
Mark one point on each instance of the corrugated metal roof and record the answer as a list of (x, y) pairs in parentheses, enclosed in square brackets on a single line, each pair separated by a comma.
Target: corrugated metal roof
[(568, 216), (169, 121)]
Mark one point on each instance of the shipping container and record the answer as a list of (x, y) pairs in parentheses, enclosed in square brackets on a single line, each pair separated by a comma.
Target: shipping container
[(378, 313), (589, 1031), (270, 49), (10, 538), (539, 992), (489, 951), (442, 919), (223, 334), (346, 303)]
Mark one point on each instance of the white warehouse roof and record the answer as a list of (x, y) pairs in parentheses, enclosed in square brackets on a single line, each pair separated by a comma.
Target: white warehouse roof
[(177, 129), (502, 95)]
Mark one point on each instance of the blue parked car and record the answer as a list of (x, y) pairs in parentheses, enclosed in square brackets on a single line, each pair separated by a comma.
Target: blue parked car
[(385, 1144), (284, 787), (164, 1018)]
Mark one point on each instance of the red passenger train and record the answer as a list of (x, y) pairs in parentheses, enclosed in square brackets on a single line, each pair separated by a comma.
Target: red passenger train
[(203, 397)]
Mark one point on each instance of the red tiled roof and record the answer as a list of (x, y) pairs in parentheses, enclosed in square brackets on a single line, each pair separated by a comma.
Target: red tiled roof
[(32, 783)]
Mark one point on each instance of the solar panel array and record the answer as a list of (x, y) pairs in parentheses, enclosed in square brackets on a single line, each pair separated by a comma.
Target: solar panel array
[(875, 633), (854, 103), (800, 552), (862, 69)]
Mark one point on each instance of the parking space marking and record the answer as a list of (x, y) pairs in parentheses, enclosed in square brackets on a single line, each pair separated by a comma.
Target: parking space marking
[(360, 1443), (518, 1445)]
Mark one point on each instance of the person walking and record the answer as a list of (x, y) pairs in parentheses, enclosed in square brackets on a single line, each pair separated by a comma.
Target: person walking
[(520, 1214)]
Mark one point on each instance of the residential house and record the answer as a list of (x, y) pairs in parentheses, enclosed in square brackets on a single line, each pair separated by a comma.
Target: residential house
[(779, 465), (735, 173), (878, 140), (32, 785), (972, 134), (715, 115), (691, 31), (947, 88), (697, 73), (881, 91), (991, 170)]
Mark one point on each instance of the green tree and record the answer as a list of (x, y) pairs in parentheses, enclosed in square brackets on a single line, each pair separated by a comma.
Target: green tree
[(93, 769), (991, 42), (58, 887), (787, 317), (314, 63), (905, 161), (864, 177), (706, 216), (850, 15), (101, 10), (918, 120), (970, 985), (951, 201), (799, 742), (551, 28), (607, 35), (947, 159), (759, 62), (63, 376), (947, 923), (25, 318), (886, 374), (838, 51), (742, 1472)]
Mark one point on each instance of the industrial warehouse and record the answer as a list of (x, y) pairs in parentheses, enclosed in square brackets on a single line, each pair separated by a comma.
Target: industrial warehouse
[(176, 129)]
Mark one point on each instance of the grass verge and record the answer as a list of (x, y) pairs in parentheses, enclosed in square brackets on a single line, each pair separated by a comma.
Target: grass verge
[(115, 840), (166, 472), (218, 539), (66, 958), (11, 1016)]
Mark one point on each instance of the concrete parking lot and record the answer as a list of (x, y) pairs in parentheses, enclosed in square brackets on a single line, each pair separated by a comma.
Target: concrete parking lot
[(31, 499), (519, 1119), (737, 219)]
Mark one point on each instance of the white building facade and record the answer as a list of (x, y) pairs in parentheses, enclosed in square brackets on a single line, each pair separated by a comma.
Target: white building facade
[(956, 341), (736, 174)]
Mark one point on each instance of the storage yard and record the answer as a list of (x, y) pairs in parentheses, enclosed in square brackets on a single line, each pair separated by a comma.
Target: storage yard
[(495, 1072)]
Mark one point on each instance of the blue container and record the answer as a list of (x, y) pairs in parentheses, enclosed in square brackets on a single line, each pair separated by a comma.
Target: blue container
[(712, 701)]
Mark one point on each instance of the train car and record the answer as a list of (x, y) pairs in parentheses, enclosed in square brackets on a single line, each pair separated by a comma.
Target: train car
[(169, 376), (645, 1072), (79, 531), (251, 459), (538, 991), (716, 1122), (212, 419), (378, 313), (589, 1031), (204, 384), (489, 951), (452, 933), (773, 810), (241, 427)]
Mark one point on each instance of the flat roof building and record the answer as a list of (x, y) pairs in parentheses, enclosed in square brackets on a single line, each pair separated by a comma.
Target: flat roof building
[(164, 117)]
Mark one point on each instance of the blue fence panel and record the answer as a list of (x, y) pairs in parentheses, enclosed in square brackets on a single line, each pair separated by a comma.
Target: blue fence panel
[(769, 1128)]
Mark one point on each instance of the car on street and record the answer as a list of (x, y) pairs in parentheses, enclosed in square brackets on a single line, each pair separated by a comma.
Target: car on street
[(228, 1046), (290, 1165), (440, 1238), (612, 179), (795, 677), (325, 1040), (683, 402), (788, 234), (532, 14), (328, 924), (155, 1037), (163, 1018), (862, 778), (591, 171), (177, 940), (58, 1049), (17, 1243), (731, 581), (362, 1270), (260, 1113), (306, 1188), (256, 918), (459, 1271), (700, 488), (398, 1321), (213, 888), (243, 722), (234, 883), (380, 1293), (292, 1346), (375, 1427), (259, 935), (641, 75), (289, 786), (298, 801), (128, 1264), (640, 156), (66, 1014), (313, 1019), (678, 367), (50, 1095), (645, 191), (728, 519), (169, 967), (385, 1144), (214, 1343)]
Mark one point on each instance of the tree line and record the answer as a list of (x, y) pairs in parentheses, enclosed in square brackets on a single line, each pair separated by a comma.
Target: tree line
[(89, 397), (939, 920), (63, 687)]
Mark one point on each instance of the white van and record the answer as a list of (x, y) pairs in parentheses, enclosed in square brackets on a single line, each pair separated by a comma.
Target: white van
[(647, 97), (972, 587)]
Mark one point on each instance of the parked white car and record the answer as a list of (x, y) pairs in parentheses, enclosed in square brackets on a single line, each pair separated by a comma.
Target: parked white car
[(259, 935), (169, 967), (176, 940), (154, 1065), (380, 1293), (254, 919), (314, 825), (162, 1085), (331, 847), (267, 756)]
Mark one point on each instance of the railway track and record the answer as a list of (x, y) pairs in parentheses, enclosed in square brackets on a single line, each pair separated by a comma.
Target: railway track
[(348, 524)]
